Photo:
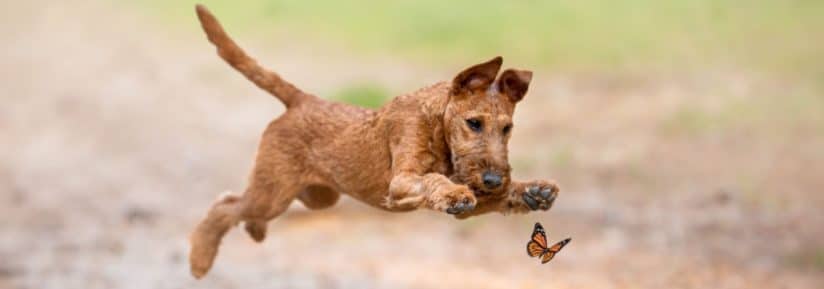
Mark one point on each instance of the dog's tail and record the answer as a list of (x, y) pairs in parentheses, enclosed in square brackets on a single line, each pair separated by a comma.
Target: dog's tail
[(237, 58)]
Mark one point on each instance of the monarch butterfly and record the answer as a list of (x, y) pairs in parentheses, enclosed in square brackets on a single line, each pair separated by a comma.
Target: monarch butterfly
[(537, 245)]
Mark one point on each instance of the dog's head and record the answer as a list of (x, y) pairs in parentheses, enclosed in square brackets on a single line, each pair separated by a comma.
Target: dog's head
[(478, 123)]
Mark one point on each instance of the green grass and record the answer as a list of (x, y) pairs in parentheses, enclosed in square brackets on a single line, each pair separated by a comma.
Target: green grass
[(364, 95), (778, 35), (773, 115)]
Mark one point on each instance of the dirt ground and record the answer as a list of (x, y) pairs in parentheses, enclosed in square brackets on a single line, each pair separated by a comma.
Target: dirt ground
[(115, 138)]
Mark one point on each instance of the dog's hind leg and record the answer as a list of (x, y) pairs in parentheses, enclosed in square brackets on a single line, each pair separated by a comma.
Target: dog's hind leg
[(256, 226), (269, 194), (255, 210), (224, 213), (255, 219), (256, 229), (314, 197)]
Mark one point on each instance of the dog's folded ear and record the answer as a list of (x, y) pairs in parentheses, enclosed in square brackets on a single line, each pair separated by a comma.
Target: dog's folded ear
[(477, 77), (514, 83)]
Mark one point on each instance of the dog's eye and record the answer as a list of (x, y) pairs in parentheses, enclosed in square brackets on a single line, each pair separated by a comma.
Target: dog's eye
[(474, 124), (507, 128)]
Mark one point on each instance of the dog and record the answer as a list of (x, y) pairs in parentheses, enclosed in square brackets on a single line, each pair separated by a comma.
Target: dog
[(443, 148)]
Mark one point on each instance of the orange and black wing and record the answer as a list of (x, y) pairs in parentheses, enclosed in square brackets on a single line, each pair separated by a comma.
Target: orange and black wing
[(550, 253), (537, 244), (534, 250), (539, 235)]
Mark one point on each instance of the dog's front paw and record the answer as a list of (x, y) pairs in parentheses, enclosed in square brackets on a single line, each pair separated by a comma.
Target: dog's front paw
[(538, 195), (454, 199)]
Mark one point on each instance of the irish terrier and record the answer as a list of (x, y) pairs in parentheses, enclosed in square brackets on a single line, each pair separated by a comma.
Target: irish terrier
[(443, 147)]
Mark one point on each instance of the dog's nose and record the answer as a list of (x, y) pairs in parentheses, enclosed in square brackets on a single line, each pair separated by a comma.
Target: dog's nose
[(491, 180)]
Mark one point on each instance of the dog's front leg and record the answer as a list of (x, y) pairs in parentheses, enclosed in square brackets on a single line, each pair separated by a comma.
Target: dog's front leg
[(530, 196), (520, 197), (432, 191)]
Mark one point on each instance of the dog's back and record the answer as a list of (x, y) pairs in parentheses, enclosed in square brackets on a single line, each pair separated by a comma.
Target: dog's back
[(311, 128)]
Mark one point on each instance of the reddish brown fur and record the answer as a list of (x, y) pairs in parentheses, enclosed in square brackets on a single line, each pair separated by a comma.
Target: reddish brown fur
[(418, 151)]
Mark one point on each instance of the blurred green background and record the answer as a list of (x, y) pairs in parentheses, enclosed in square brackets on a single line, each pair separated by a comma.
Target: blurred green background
[(779, 39), (772, 36)]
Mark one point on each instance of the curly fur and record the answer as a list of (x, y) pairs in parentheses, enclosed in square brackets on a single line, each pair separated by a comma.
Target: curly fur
[(417, 151)]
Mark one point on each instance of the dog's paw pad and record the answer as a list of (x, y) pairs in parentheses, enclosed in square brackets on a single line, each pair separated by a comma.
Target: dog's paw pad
[(530, 202), (540, 197), (461, 206)]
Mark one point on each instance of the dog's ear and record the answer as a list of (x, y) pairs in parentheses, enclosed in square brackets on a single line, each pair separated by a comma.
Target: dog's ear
[(477, 77), (514, 83)]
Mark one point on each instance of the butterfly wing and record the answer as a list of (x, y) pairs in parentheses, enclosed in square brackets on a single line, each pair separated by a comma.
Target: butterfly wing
[(537, 243), (550, 253), (546, 257), (539, 235), (534, 249)]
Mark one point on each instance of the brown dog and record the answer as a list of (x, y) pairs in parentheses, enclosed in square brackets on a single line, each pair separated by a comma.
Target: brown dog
[(443, 147)]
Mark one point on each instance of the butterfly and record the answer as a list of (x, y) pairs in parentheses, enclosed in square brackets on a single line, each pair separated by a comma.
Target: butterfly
[(537, 245)]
